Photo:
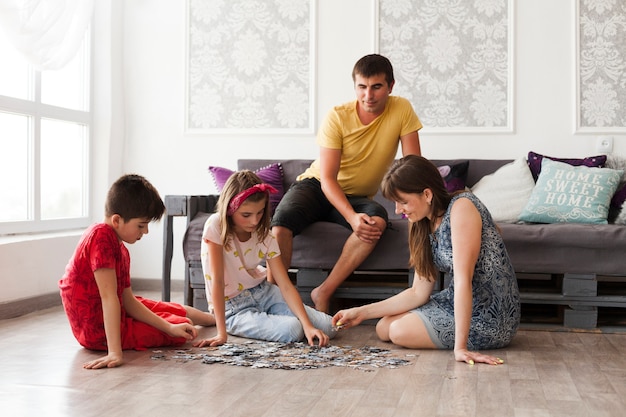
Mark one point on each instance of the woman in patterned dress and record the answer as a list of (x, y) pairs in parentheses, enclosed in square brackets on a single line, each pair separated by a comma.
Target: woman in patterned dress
[(455, 234)]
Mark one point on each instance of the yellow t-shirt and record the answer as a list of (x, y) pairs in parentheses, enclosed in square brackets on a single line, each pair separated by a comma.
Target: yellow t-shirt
[(367, 151)]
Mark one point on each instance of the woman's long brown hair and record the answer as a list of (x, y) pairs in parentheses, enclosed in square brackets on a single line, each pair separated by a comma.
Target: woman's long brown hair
[(412, 175)]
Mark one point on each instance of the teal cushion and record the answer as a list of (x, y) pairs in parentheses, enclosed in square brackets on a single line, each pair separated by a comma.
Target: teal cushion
[(576, 194)]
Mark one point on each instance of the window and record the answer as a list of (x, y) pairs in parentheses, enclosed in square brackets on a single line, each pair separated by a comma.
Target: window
[(45, 128)]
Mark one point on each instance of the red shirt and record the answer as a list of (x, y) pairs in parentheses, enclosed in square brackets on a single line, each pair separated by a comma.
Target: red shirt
[(99, 247)]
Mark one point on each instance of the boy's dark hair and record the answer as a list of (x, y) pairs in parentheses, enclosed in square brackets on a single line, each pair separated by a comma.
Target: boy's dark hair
[(371, 65), (132, 196)]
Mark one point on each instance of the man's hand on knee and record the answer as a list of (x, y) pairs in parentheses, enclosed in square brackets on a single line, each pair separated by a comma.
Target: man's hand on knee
[(369, 229)]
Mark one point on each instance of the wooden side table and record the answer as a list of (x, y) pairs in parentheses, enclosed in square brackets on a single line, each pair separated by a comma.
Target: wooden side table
[(175, 206)]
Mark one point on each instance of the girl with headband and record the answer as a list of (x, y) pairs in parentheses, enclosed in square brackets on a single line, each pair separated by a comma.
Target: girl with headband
[(235, 240)]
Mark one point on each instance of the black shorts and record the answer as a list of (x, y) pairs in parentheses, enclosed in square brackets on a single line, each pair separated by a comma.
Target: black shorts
[(305, 203)]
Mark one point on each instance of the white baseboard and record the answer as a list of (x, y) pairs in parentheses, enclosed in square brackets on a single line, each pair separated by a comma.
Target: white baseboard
[(18, 308), (24, 306)]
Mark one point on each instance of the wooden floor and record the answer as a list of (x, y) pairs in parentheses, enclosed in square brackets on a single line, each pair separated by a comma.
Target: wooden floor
[(545, 374)]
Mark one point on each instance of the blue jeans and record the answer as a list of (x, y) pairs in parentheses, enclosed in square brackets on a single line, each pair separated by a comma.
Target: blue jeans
[(262, 313)]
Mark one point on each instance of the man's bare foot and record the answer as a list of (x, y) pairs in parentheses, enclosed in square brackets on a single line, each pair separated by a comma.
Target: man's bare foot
[(321, 304)]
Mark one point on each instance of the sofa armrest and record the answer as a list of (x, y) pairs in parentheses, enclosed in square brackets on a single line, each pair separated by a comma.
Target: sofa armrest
[(200, 204)]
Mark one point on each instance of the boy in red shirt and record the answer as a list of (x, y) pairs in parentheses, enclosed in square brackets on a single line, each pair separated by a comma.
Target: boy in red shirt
[(103, 312)]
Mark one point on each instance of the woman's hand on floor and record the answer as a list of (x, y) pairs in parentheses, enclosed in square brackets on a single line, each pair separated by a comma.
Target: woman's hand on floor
[(464, 355)]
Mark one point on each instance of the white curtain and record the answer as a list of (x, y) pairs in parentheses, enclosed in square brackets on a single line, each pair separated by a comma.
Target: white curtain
[(47, 32)]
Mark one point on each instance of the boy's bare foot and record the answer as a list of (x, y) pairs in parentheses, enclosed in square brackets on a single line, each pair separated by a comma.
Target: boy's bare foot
[(207, 320), (199, 317), (321, 304)]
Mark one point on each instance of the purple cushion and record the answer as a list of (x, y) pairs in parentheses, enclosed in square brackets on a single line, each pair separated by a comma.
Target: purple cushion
[(534, 162), (271, 174), (455, 176)]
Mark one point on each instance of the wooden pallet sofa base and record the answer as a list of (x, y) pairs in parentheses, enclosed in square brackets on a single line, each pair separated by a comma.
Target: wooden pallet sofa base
[(577, 300)]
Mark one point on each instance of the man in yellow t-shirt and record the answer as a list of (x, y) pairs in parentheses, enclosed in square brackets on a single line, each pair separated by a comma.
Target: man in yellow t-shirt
[(358, 142)]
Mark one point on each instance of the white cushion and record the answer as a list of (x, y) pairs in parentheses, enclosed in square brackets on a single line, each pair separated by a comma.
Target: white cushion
[(506, 191)]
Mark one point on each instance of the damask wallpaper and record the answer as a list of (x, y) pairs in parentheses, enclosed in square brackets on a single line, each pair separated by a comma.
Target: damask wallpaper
[(452, 60), (249, 65), (601, 65)]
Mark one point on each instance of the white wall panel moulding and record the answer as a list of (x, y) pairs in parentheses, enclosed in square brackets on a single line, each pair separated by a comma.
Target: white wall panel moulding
[(455, 64), (601, 66), (250, 66)]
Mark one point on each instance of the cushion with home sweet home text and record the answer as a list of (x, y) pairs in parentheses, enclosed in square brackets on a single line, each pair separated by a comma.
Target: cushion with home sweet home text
[(566, 193)]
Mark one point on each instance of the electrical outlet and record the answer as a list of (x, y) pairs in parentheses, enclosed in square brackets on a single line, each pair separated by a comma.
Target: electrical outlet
[(604, 144)]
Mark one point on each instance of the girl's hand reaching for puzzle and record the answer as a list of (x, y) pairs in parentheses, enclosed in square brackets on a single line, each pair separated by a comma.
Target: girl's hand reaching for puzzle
[(313, 333), (217, 340)]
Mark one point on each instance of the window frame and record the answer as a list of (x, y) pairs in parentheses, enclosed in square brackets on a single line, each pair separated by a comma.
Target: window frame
[(36, 111)]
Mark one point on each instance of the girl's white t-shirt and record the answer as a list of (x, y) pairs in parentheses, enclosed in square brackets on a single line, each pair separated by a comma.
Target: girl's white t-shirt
[(236, 278)]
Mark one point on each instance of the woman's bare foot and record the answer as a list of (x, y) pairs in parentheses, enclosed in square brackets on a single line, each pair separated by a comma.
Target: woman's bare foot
[(321, 303)]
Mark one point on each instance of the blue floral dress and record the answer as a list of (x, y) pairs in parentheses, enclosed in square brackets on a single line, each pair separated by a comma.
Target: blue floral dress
[(496, 303)]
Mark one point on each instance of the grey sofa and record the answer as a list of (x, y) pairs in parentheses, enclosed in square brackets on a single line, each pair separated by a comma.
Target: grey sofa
[(575, 271)]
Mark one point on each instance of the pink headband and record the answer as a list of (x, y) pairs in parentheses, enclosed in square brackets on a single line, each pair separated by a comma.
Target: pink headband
[(238, 200)]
